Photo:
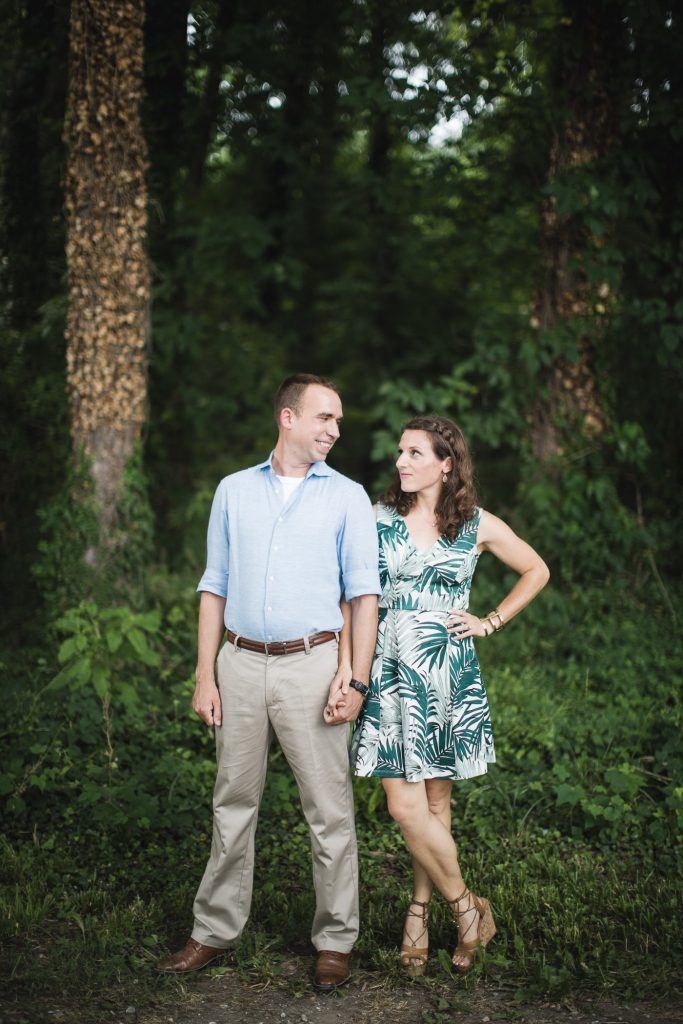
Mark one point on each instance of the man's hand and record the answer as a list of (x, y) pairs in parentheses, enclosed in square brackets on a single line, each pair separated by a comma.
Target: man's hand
[(206, 701), (343, 703), (339, 688), (345, 709)]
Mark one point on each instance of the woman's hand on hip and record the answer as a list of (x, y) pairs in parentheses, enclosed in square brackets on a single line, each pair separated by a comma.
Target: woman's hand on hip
[(461, 624)]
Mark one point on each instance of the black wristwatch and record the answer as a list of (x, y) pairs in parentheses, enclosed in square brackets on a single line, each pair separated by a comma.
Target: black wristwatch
[(361, 688)]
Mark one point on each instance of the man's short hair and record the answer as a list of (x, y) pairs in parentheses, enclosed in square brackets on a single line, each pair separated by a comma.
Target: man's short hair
[(290, 392)]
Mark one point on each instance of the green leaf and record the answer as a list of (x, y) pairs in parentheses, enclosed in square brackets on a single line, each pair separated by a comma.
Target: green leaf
[(567, 794), (79, 672), (139, 644), (149, 621), (100, 680), (445, 961), (67, 650), (114, 638), (129, 695), (624, 780), (75, 675)]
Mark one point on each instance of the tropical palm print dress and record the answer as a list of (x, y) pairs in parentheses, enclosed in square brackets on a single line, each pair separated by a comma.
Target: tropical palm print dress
[(426, 715)]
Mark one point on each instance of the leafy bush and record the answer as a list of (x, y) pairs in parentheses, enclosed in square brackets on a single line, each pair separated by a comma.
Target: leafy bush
[(107, 782), (107, 742)]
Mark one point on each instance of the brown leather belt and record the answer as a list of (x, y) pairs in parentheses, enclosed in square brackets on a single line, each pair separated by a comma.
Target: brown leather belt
[(281, 646)]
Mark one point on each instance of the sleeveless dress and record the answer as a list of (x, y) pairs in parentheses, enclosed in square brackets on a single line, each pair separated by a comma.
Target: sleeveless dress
[(427, 715)]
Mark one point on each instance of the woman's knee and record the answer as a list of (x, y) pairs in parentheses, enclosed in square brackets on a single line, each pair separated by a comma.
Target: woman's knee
[(438, 806), (439, 799), (404, 809)]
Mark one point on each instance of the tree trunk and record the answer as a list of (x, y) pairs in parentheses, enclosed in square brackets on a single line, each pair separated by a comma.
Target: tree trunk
[(571, 402), (106, 197)]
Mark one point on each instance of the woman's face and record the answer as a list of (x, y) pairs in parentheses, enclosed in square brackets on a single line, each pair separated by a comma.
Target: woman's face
[(417, 465)]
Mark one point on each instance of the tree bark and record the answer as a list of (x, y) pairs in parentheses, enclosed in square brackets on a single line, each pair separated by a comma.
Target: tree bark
[(584, 87), (109, 291)]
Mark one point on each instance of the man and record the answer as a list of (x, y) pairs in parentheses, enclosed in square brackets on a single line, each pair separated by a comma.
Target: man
[(286, 540)]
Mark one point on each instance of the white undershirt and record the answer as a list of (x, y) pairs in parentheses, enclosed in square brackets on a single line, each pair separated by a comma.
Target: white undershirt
[(289, 485)]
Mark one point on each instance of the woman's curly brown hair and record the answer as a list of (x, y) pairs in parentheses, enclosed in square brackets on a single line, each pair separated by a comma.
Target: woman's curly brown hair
[(458, 499)]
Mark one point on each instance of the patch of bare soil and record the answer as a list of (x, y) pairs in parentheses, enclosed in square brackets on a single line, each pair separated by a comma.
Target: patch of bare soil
[(224, 998)]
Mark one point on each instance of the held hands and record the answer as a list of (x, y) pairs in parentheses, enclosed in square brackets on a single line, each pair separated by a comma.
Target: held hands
[(461, 624), (206, 701), (343, 704)]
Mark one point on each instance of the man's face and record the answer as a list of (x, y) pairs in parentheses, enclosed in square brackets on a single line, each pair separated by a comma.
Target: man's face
[(314, 429)]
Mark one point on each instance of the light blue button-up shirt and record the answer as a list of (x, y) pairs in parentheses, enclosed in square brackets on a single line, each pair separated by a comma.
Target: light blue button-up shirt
[(283, 568)]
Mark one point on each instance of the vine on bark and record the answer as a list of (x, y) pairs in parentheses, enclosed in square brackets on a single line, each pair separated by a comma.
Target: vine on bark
[(106, 205)]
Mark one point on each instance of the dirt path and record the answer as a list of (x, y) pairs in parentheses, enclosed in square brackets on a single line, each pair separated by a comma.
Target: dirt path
[(225, 999)]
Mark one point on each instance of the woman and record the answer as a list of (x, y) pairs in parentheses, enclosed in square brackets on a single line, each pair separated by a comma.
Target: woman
[(426, 720)]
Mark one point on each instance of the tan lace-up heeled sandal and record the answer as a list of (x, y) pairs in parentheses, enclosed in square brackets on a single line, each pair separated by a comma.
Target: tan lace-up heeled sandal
[(413, 952), (481, 928)]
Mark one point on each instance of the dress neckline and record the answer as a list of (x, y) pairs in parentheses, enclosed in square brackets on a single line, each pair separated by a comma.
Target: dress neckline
[(423, 552)]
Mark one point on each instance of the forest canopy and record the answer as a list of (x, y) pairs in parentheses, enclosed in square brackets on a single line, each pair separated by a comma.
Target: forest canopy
[(474, 209)]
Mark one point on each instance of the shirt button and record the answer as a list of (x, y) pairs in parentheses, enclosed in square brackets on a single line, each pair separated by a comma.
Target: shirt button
[(271, 578), (269, 609), (276, 548)]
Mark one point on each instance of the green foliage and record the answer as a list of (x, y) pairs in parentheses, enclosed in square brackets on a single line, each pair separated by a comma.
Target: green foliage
[(568, 507), (97, 647), (574, 509), (132, 542), (109, 746), (588, 722), (106, 791), (69, 526), (302, 217), (73, 563)]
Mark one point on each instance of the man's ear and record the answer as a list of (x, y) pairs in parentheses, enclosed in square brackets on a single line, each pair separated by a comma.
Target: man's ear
[(286, 418)]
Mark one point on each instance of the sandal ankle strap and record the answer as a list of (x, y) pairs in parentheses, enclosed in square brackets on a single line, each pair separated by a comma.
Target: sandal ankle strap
[(463, 894), (421, 915)]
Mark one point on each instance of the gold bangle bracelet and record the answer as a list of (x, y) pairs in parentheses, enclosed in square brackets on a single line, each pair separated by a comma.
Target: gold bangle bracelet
[(501, 621)]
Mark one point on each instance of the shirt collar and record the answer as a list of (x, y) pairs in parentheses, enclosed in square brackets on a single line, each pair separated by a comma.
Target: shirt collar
[(316, 468)]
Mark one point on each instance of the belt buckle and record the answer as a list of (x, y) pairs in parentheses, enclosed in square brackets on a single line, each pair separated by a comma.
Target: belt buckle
[(266, 648), (284, 646)]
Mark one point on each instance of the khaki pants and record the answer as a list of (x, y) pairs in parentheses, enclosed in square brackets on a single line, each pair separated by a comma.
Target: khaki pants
[(283, 696)]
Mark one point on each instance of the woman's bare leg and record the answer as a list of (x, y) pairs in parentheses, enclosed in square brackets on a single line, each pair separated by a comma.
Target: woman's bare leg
[(438, 793), (428, 839)]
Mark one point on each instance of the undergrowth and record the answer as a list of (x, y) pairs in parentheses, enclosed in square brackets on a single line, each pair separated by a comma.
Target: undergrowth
[(574, 835)]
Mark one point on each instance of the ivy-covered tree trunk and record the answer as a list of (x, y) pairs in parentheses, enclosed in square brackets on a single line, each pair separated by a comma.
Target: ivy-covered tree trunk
[(565, 300), (109, 288)]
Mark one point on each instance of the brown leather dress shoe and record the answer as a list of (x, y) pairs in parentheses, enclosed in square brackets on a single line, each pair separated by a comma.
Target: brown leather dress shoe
[(331, 970), (192, 957)]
